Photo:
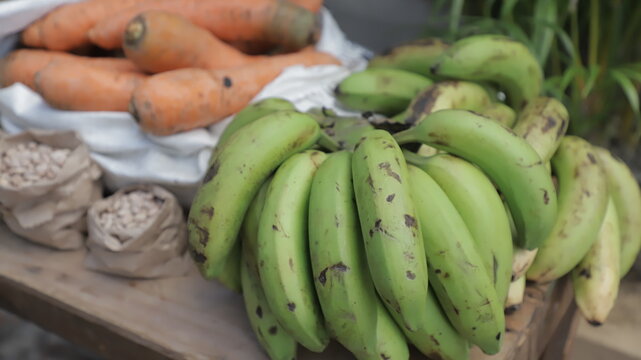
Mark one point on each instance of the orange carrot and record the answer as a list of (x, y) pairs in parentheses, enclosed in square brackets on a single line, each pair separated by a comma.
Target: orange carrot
[(158, 41), (252, 47), (70, 85), (273, 21), (185, 99), (22, 65), (66, 27), (311, 5)]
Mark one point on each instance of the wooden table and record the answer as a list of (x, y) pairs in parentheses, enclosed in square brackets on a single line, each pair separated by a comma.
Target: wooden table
[(190, 318)]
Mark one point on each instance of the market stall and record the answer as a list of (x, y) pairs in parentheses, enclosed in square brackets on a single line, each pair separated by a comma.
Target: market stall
[(205, 179)]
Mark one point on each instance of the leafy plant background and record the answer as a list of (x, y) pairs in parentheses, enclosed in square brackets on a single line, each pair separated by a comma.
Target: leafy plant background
[(590, 51)]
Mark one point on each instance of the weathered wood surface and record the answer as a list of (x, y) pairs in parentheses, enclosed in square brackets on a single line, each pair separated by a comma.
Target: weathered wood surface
[(185, 317)]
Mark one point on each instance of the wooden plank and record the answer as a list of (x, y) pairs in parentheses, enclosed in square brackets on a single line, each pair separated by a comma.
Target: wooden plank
[(530, 328), (177, 318)]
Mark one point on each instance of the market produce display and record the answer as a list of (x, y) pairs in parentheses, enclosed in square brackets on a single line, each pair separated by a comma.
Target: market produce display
[(175, 65), (419, 221)]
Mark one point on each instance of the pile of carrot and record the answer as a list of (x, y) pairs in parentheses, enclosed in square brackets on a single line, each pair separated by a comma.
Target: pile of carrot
[(187, 63)]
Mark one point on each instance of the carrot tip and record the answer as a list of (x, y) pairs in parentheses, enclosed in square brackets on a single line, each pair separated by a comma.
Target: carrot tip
[(135, 31)]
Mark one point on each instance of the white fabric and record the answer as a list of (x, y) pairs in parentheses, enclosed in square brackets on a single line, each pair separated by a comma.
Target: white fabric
[(128, 155)]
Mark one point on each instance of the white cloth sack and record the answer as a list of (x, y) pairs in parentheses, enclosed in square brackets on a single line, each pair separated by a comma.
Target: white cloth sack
[(126, 154)]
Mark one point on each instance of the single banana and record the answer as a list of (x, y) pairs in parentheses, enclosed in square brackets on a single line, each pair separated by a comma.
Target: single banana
[(235, 175), (500, 112), (451, 94), (385, 91), (624, 190), (466, 187), (282, 251), (229, 275), (392, 237), (456, 270), (417, 56), (344, 287), (596, 277), (515, 295), (253, 112), (508, 160), (583, 196), (494, 58), (543, 123), (276, 342)]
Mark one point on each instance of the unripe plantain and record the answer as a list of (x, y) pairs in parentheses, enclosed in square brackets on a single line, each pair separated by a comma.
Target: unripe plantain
[(278, 344), (494, 58), (519, 173), (583, 197), (466, 186), (457, 274), (596, 277), (392, 237), (353, 312), (417, 56), (625, 192), (282, 251), (384, 91)]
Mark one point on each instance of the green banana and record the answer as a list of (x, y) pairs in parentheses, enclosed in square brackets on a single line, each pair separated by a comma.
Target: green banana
[(234, 177), (515, 295), (229, 275), (543, 123), (353, 312), (385, 91), (583, 197), (445, 95), (278, 344), (466, 186), (282, 251), (624, 190), (500, 112), (596, 277), (508, 160), (494, 58), (253, 112), (456, 270), (417, 56), (392, 237)]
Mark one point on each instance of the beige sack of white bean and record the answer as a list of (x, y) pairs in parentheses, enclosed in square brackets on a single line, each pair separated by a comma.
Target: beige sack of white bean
[(47, 183), (139, 232)]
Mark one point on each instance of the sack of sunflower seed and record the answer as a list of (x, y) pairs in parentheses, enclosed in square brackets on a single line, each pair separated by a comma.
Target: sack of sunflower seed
[(139, 232), (47, 183)]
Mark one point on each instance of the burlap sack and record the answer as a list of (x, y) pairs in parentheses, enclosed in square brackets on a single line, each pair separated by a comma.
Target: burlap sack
[(52, 212), (157, 250)]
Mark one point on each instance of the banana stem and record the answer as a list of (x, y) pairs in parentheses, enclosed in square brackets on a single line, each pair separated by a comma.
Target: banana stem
[(405, 137), (414, 158)]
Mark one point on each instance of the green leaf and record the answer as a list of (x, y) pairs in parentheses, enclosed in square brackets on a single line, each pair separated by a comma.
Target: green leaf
[(507, 10), (628, 89), (455, 16), (570, 73), (593, 73), (545, 17)]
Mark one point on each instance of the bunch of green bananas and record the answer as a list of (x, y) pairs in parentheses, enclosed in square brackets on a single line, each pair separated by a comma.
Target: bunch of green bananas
[(419, 221)]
